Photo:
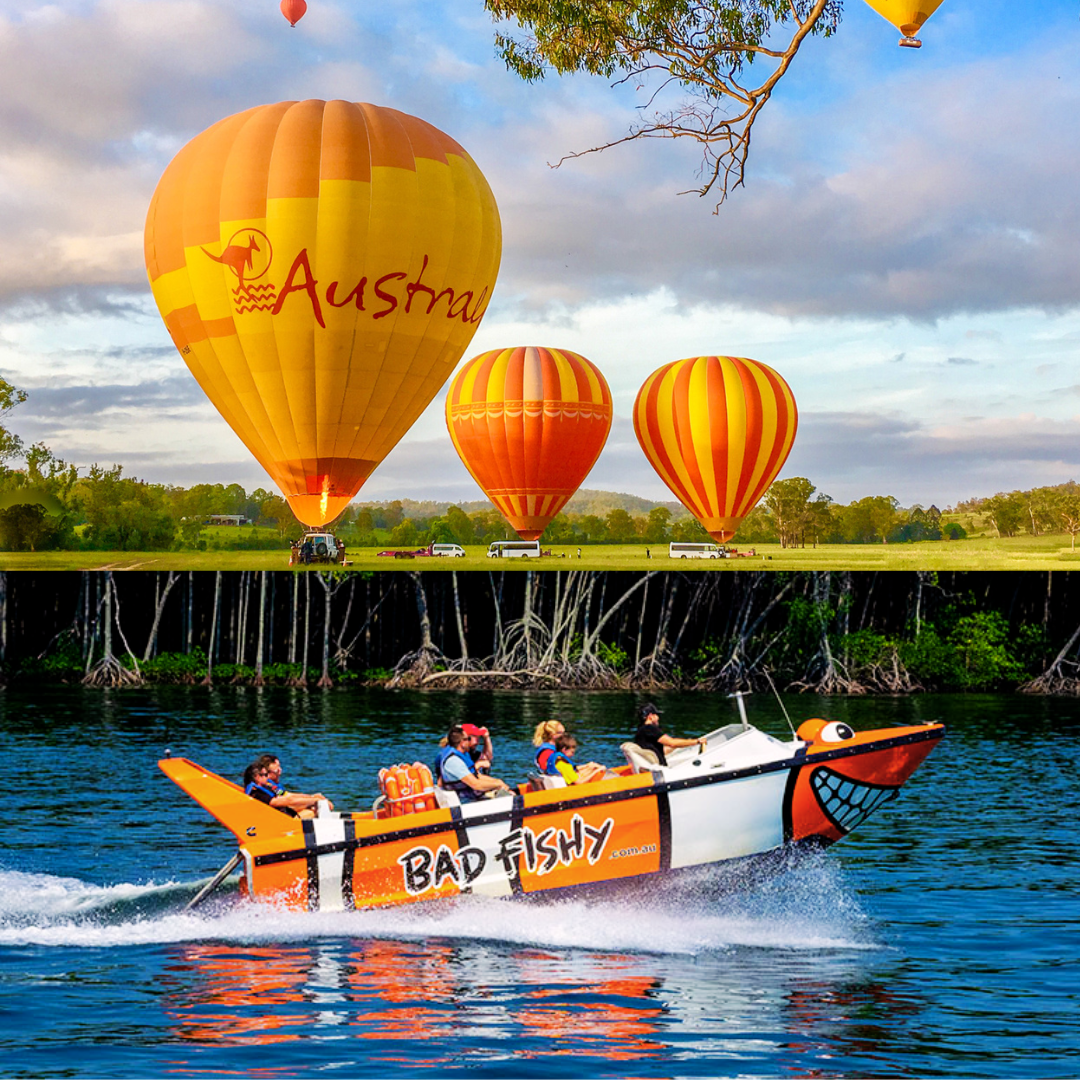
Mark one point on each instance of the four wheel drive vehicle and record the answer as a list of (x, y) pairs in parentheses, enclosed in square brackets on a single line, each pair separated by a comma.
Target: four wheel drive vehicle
[(317, 547)]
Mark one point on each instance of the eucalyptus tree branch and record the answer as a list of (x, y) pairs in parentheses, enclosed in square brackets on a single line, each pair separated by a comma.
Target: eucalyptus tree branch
[(705, 47)]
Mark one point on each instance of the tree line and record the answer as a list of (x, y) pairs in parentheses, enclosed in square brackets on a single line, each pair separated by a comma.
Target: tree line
[(48, 503), (831, 632)]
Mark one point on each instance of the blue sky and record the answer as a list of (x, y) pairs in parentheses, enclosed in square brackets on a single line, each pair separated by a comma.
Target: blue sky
[(904, 251)]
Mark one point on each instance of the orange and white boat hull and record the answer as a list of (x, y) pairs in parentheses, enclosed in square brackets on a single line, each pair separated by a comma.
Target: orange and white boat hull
[(748, 795)]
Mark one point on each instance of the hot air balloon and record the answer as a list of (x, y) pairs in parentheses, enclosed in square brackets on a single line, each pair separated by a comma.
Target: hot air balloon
[(293, 10), (322, 266), (529, 424), (907, 16), (717, 429)]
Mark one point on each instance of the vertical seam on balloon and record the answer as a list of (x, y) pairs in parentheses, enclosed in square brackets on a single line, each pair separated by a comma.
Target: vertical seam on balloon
[(269, 442), (686, 437), (754, 423)]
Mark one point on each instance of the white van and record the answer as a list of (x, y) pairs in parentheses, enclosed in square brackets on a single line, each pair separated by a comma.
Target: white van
[(514, 549), (452, 551), (695, 551)]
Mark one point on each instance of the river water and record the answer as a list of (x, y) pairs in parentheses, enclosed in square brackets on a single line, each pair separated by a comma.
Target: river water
[(939, 940)]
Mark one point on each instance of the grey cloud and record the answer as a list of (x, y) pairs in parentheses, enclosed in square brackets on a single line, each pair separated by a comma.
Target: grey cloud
[(962, 361), (86, 406), (76, 299), (850, 456)]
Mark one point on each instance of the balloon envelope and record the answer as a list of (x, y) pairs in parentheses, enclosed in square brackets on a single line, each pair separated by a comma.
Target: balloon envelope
[(906, 15), (322, 266), (717, 429), (529, 424), (293, 10)]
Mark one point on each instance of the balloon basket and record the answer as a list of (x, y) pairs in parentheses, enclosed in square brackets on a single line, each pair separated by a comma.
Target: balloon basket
[(910, 43)]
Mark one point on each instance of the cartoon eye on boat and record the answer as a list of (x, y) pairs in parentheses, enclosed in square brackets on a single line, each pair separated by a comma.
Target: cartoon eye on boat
[(746, 794)]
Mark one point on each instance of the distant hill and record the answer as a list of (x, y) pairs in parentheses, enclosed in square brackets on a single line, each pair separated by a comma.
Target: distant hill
[(599, 503)]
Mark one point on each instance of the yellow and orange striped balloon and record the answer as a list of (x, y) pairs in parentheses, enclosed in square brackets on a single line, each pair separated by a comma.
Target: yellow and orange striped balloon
[(529, 424), (717, 429), (907, 16), (322, 266)]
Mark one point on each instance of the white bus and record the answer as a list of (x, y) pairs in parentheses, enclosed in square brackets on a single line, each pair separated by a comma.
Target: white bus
[(695, 551), (514, 549)]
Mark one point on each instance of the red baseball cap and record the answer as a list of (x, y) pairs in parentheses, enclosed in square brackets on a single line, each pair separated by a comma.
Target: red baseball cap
[(472, 729)]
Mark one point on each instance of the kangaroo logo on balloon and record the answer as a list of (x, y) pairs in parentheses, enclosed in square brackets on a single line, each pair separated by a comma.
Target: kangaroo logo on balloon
[(248, 255)]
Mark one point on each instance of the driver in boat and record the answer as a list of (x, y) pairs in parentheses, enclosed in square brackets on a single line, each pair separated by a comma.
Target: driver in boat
[(456, 771), (650, 736), (258, 785)]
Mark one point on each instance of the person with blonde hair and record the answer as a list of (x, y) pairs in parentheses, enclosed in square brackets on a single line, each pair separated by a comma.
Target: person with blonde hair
[(547, 731)]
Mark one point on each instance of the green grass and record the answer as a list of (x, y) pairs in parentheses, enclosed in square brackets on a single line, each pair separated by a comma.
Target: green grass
[(984, 553)]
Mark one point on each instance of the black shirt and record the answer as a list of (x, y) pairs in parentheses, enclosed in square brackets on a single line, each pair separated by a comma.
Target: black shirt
[(648, 738)]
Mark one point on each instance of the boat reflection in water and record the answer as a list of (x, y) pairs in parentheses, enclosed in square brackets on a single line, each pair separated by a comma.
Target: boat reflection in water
[(417, 995)]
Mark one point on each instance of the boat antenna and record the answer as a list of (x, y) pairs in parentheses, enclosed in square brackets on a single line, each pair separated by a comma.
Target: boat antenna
[(780, 702), (738, 696)]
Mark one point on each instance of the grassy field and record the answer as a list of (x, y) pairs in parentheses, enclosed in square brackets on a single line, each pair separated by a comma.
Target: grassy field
[(1018, 553)]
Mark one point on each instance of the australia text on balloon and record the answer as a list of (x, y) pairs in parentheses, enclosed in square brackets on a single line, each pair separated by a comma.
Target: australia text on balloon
[(248, 255)]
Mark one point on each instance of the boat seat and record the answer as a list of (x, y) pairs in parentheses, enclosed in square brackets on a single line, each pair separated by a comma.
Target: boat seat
[(446, 799), (639, 759), (538, 782)]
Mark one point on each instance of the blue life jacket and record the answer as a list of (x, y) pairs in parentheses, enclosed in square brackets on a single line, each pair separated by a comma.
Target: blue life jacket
[(548, 758), (459, 787), (544, 753)]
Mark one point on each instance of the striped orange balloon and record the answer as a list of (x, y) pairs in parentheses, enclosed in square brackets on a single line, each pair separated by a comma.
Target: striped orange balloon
[(529, 424), (717, 429)]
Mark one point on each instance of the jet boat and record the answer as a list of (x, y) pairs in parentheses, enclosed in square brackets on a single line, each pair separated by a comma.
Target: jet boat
[(745, 794)]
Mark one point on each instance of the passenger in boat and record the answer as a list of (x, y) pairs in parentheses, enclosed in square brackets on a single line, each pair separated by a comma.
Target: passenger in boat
[(481, 750), (456, 771), (477, 744), (544, 740), (272, 764), (258, 785), (560, 762), (650, 735)]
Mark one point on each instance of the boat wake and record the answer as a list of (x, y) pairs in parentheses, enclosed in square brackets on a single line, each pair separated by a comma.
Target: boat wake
[(807, 906)]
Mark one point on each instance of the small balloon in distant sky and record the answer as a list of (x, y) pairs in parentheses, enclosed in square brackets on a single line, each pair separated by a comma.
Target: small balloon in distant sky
[(293, 10), (907, 16)]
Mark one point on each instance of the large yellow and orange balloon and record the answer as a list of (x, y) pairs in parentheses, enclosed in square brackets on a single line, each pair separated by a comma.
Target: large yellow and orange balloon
[(717, 429), (529, 424), (907, 16), (322, 266)]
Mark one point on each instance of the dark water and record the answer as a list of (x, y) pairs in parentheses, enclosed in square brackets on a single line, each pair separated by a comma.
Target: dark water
[(941, 940)]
